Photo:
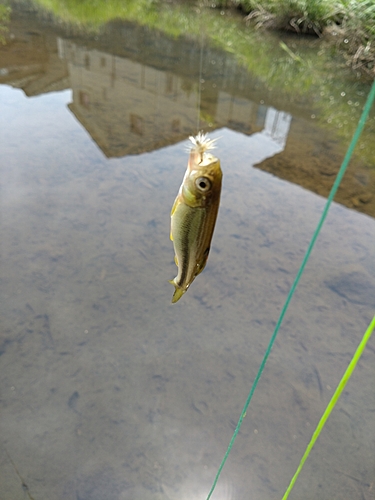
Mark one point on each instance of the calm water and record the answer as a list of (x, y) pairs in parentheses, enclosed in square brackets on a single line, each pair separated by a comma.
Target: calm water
[(109, 392)]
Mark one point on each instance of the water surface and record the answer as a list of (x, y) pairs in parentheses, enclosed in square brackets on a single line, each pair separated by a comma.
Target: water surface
[(108, 391)]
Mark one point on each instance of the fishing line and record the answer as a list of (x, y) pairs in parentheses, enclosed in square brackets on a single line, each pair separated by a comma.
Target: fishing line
[(200, 82), (348, 155), (332, 403)]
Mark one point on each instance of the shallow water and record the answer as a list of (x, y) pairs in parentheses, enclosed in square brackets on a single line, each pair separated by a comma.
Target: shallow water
[(107, 390)]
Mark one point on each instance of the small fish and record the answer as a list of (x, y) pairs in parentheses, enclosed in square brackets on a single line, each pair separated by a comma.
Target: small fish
[(194, 213)]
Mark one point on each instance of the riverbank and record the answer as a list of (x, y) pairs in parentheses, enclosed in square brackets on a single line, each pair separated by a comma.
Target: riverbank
[(349, 24)]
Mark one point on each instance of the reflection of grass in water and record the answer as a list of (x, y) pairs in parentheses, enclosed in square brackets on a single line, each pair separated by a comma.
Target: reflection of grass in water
[(4, 20), (91, 14), (96, 12), (313, 76)]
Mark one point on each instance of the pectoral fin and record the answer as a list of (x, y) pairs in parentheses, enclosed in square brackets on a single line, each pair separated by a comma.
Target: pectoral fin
[(175, 204)]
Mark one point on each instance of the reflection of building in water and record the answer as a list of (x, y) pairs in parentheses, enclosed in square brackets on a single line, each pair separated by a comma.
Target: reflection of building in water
[(272, 139), (128, 107), (276, 126), (30, 61), (136, 90)]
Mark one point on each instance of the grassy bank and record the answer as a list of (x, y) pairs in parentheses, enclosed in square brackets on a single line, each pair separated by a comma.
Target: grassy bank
[(350, 23)]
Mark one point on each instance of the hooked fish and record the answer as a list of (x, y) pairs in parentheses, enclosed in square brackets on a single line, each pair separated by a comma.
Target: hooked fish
[(194, 213)]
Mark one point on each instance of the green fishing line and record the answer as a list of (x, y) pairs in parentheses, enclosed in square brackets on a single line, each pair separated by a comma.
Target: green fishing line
[(331, 404), (357, 133)]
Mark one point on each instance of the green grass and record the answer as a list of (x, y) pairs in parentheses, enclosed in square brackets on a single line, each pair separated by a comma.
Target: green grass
[(356, 17), (349, 24), (360, 15), (303, 13)]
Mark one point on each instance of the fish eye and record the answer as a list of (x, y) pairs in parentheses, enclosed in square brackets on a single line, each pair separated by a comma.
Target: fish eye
[(203, 184)]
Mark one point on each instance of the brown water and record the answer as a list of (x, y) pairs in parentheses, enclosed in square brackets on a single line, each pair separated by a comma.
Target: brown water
[(109, 392)]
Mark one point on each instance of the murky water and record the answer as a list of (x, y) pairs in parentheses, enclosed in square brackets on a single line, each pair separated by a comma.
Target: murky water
[(107, 390)]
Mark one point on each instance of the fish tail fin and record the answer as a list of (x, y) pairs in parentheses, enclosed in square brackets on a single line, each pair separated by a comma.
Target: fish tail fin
[(178, 293)]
